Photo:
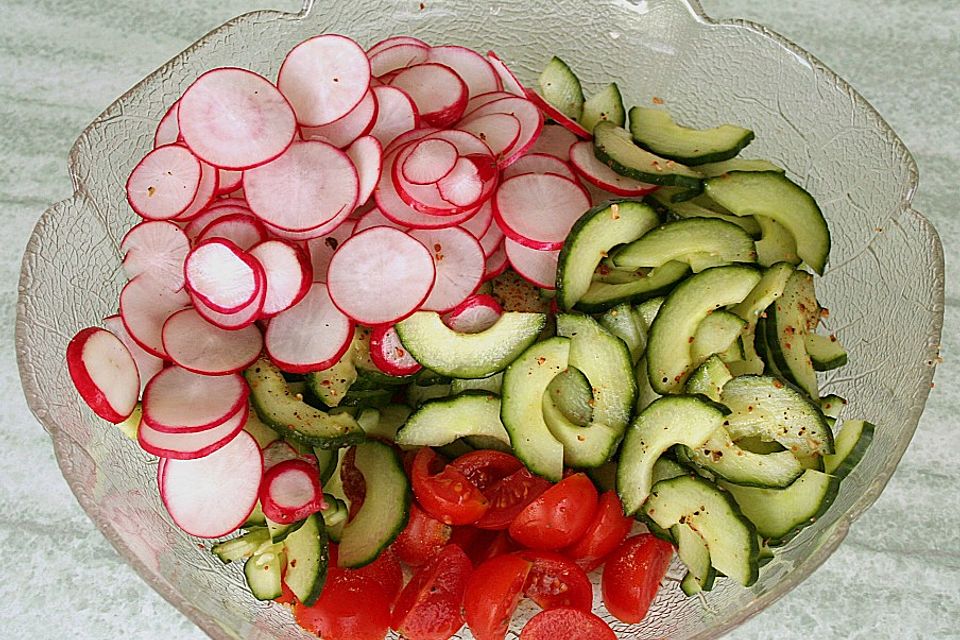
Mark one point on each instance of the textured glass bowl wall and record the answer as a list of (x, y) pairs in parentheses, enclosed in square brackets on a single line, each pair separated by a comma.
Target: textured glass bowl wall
[(884, 286)]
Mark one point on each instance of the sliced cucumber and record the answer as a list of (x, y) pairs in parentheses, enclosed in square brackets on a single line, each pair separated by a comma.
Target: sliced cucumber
[(709, 378), (242, 547), (336, 511), (261, 432), (263, 573), (622, 321), (776, 243), (490, 384), (671, 420), (648, 310), (832, 405), (851, 445), (571, 394), (418, 394), (614, 146), (730, 537), (334, 487), (714, 169), (385, 508), (645, 393), (722, 457), (391, 418), (665, 468), (768, 290), (293, 418), (656, 131), (439, 422), (255, 519), (306, 552), (786, 331), (699, 242), (604, 476), (330, 385), (717, 334), (601, 295), (772, 195), (825, 352), (468, 355), (524, 385), (583, 447), (591, 238), (693, 209), (560, 87), (693, 552), (604, 106)]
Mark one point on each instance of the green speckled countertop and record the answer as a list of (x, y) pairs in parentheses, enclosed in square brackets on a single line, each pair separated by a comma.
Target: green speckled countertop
[(61, 63)]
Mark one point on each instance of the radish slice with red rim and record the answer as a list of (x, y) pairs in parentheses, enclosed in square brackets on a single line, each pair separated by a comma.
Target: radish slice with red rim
[(322, 249), (437, 91), (531, 123), (201, 347), (280, 451), (236, 320), (190, 446), (459, 262), (209, 181), (212, 213), (104, 373), (538, 211), (394, 208), (558, 116), (471, 182), (144, 307), (366, 153), (393, 41), (554, 140), (228, 181), (168, 131), (288, 274), (212, 496), (539, 163), (380, 276), (309, 234), (397, 57), (223, 276), (500, 131), (164, 183), (309, 185), (537, 267), (157, 250), (600, 175), (311, 336), (507, 77), (398, 114), (475, 71), (357, 123), (290, 491), (407, 137), (389, 354), (181, 401), (497, 263), (493, 238), (482, 99), (374, 218), (428, 161), (477, 313), (242, 229), (235, 119), (223, 201), (148, 365), (478, 224), (324, 78)]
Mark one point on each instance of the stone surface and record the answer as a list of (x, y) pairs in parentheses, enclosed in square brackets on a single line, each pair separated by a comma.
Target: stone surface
[(61, 63)]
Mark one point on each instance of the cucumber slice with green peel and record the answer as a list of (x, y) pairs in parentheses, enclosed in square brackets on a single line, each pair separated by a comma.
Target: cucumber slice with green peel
[(601, 296), (392, 417), (242, 547), (584, 447), (645, 393), (772, 195), (832, 405), (730, 537), (722, 457), (709, 378), (604, 106), (614, 146), (490, 384), (263, 573), (826, 352), (307, 558), (768, 290), (623, 322), (776, 244), (671, 420), (291, 417), (255, 519), (280, 532), (669, 358), (560, 87), (714, 169), (733, 353), (718, 332), (851, 445), (604, 476), (440, 422), (330, 385), (721, 241), (418, 394), (591, 239), (780, 514), (648, 310), (786, 332), (665, 468), (385, 508), (468, 355), (334, 487), (336, 512), (261, 432), (524, 384), (455, 449), (756, 444), (571, 394), (693, 552), (693, 209), (485, 442), (656, 131)]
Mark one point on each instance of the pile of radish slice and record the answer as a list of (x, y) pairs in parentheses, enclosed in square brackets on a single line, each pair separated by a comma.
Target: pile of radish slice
[(358, 188)]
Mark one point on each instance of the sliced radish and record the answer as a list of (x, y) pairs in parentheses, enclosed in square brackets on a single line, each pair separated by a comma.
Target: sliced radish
[(397, 57), (288, 272), (223, 276), (558, 116), (554, 140), (200, 347), (597, 173), (507, 78), (539, 268), (475, 70), (290, 491), (310, 336), (228, 200), (144, 307), (279, 451), (242, 229), (428, 161), (497, 263), (493, 238), (394, 41), (156, 249), (234, 119), (373, 218), (366, 153), (478, 224), (477, 313), (539, 163), (408, 137), (168, 131), (164, 183), (190, 446), (398, 114), (478, 101), (209, 181), (459, 262), (531, 123), (423, 198), (340, 133), (104, 373), (465, 186), (500, 131), (212, 496), (394, 208), (180, 401), (437, 91), (148, 365), (209, 215), (236, 320), (322, 249), (389, 354), (380, 276), (228, 181), (310, 234), (324, 78), (538, 211), (310, 184)]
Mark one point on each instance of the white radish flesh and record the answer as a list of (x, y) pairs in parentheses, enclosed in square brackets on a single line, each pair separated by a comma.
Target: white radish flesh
[(212, 213), (536, 267), (374, 218), (475, 71), (600, 175), (190, 446), (164, 183), (437, 91), (157, 250), (389, 354), (554, 140), (538, 211), (243, 230), (530, 118), (398, 114), (463, 186), (340, 133), (539, 163), (104, 373), (507, 77), (223, 276), (429, 160), (479, 223), (475, 314), (366, 153), (209, 181), (397, 57), (322, 249), (459, 262), (497, 263), (310, 336), (148, 365), (393, 41), (500, 131), (144, 307), (288, 274), (181, 401), (168, 131), (290, 491), (395, 209), (493, 238), (201, 347), (228, 181), (235, 320)]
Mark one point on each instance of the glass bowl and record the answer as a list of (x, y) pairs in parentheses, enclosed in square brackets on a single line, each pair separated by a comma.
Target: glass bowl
[(884, 285)]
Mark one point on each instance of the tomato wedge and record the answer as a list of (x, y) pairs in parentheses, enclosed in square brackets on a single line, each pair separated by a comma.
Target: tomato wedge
[(492, 594), (354, 486), (485, 466), (422, 538), (555, 581), (445, 492), (608, 529), (559, 516), (481, 545), (566, 624), (632, 575), (429, 607), (509, 496)]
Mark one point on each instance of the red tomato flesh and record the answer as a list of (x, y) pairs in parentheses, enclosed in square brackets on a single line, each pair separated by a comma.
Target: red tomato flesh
[(492, 594), (484, 467), (445, 492), (605, 533), (555, 581), (509, 496), (566, 624), (632, 575), (429, 607), (559, 516), (422, 538)]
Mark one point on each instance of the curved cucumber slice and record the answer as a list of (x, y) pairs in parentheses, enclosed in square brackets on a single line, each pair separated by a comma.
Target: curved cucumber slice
[(709, 378), (737, 164), (656, 131), (786, 326), (468, 355), (570, 393), (614, 147), (682, 240), (825, 352), (776, 244), (306, 551), (715, 335), (263, 574), (602, 295), (722, 457), (851, 445), (439, 422), (625, 323), (693, 552), (697, 208), (560, 87), (605, 105)]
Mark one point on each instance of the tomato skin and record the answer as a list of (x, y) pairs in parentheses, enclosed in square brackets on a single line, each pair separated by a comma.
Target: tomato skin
[(384, 571), (608, 529), (286, 595), (354, 486), (352, 605), (509, 496), (484, 467), (632, 575), (492, 594), (559, 516), (447, 495), (430, 606), (555, 581), (422, 538), (566, 624)]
